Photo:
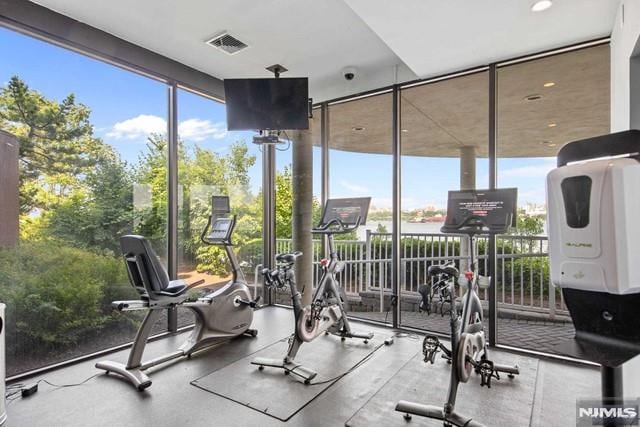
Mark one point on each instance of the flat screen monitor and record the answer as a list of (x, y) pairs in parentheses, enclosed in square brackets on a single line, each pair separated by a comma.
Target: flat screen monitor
[(492, 210), (347, 210), (267, 104)]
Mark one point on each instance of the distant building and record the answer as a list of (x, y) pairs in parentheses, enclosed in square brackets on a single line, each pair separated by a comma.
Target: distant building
[(9, 191), (533, 209)]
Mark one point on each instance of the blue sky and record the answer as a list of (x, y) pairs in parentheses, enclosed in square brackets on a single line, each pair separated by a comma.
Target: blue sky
[(126, 107)]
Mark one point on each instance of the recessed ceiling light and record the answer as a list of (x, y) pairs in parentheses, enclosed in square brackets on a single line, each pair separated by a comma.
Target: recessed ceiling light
[(541, 5), (552, 125), (549, 84), (548, 143), (551, 144), (405, 130), (357, 129)]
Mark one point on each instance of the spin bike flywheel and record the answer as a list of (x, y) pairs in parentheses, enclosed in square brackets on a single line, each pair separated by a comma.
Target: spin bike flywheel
[(467, 351)]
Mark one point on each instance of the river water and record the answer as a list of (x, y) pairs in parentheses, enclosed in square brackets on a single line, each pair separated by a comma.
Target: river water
[(405, 227)]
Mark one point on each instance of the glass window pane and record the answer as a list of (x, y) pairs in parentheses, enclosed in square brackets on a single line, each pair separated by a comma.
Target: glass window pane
[(91, 166), (444, 132), (360, 161), (213, 161), (542, 105)]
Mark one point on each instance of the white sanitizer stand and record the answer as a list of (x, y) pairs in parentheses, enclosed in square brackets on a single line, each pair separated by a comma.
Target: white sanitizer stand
[(593, 206)]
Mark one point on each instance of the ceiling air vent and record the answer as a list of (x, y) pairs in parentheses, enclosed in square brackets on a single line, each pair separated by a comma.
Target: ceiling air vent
[(227, 43)]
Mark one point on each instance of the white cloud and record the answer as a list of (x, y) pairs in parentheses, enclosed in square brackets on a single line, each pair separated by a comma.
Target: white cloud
[(143, 125), (199, 130), (354, 188), (138, 127)]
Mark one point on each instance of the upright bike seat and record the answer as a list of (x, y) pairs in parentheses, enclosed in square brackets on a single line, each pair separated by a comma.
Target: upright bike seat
[(289, 258)]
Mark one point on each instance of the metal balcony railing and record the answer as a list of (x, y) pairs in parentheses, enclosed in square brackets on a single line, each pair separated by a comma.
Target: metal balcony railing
[(522, 266)]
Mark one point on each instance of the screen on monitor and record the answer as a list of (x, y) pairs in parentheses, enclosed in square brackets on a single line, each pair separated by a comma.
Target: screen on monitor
[(347, 210), (495, 209), (267, 104)]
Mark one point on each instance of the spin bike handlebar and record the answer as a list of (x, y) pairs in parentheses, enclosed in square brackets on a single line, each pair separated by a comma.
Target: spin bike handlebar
[(342, 228)]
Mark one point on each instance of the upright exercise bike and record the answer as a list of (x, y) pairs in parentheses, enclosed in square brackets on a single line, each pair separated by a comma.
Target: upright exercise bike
[(469, 213), (219, 315), (326, 313)]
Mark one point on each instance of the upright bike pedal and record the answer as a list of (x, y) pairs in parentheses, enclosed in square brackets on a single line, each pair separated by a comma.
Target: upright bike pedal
[(430, 346), (486, 373)]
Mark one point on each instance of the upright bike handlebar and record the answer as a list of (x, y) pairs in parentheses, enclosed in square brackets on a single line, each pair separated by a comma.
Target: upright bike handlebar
[(342, 228)]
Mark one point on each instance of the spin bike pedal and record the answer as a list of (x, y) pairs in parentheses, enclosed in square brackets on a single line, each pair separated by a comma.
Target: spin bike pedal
[(430, 346), (486, 373)]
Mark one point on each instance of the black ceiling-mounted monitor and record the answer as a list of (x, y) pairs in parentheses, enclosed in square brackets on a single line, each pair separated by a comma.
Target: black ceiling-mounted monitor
[(267, 104)]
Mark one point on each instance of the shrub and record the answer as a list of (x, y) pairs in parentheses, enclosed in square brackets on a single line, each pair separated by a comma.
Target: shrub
[(55, 294)]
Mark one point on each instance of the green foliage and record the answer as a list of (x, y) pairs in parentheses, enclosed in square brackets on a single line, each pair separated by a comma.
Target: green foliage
[(381, 228), (56, 140), (284, 205), (56, 294), (528, 225), (77, 198)]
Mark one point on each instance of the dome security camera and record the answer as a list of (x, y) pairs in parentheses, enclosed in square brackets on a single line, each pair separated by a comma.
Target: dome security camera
[(349, 73)]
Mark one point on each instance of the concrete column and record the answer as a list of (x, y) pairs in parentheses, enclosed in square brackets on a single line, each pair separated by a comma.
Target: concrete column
[(9, 190), (467, 182), (468, 167), (302, 189)]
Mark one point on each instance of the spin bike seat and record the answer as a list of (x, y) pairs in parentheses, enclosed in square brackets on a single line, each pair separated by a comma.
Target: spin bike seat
[(288, 258), (449, 270)]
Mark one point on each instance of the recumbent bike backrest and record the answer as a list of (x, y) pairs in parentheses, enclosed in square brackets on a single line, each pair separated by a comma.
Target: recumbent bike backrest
[(146, 273)]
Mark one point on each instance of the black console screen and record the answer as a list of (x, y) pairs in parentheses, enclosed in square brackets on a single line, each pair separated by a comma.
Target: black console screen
[(493, 211)]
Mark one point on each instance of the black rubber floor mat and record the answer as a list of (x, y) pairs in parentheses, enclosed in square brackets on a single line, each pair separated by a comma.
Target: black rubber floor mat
[(281, 396)]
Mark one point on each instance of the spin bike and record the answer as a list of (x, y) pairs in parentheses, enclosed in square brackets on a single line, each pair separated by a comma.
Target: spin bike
[(469, 213), (219, 315), (326, 313)]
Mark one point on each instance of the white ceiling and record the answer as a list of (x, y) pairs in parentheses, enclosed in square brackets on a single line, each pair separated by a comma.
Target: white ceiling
[(438, 36), (387, 41)]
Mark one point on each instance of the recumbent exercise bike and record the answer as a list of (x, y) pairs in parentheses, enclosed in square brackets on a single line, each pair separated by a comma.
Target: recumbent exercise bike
[(219, 315), (326, 314), (469, 213)]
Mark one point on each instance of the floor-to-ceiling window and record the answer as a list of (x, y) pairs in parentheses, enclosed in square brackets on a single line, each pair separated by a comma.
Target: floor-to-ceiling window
[(360, 159), (91, 165), (542, 104), (444, 137), (213, 161)]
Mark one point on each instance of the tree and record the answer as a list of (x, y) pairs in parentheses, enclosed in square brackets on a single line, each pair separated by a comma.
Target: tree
[(284, 205), (528, 225), (56, 140)]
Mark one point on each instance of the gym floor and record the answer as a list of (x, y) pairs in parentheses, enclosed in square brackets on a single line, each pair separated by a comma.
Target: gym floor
[(363, 397)]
